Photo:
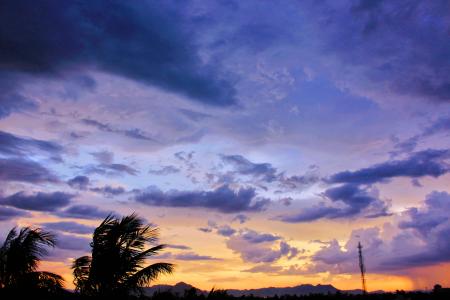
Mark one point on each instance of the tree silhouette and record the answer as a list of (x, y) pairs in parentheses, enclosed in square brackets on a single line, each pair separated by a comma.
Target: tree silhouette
[(117, 265), (19, 258)]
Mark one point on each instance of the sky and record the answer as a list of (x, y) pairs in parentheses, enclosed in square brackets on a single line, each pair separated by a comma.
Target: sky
[(264, 138)]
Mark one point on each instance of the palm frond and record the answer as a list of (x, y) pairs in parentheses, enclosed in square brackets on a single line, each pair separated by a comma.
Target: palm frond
[(148, 274)]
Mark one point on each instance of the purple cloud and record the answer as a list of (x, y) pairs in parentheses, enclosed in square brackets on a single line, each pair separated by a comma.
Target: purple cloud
[(69, 227), (79, 182), (9, 213), (23, 170), (13, 145), (81, 211), (38, 201), (424, 163), (223, 199), (170, 63)]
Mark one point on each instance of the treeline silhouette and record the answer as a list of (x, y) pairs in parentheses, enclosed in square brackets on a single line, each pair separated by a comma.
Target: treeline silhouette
[(116, 268)]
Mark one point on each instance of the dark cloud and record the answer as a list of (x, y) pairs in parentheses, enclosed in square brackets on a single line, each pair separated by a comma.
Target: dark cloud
[(70, 227), (111, 169), (441, 125), (429, 162), (352, 199), (13, 145), (241, 218), (11, 101), (8, 213), (245, 167), (205, 229), (166, 170), (427, 218), (194, 115), (103, 157), (223, 199), (347, 201), (226, 230), (180, 247), (392, 45), (255, 237), (38, 201), (298, 181), (139, 41), (108, 190), (18, 169), (79, 182), (265, 172), (438, 126), (83, 212), (133, 133), (193, 256)]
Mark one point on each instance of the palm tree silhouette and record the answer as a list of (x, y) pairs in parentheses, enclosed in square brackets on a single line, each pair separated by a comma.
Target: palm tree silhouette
[(116, 266), (19, 258)]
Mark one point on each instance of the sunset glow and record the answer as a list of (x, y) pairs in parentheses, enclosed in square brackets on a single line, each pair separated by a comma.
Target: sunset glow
[(265, 139)]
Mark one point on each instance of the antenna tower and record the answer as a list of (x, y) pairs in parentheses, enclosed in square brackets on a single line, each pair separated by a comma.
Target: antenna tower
[(362, 268)]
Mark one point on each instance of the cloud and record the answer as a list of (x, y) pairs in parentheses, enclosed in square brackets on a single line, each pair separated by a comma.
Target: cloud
[(347, 201), (255, 237), (241, 218), (258, 247), (108, 190), (253, 246), (223, 199), (352, 199), (140, 42), (194, 116), (38, 201), (8, 213), (420, 238), (245, 167), (441, 125), (13, 145), (429, 162), (298, 181), (69, 227), (226, 230), (265, 172), (111, 169), (166, 170), (438, 126), (79, 182), (264, 268), (23, 170), (187, 256), (83, 212), (12, 101), (133, 133), (180, 247), (103, 157), (193, 256), (364, 35)]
